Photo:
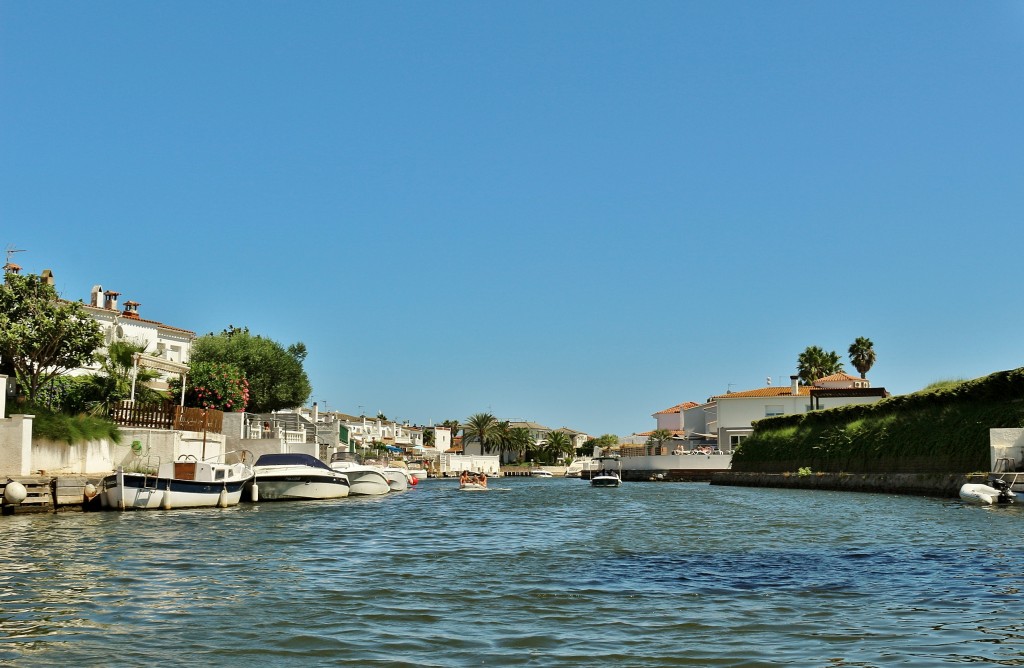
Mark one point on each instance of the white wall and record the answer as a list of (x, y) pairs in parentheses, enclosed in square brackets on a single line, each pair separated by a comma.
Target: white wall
[(1006, 443), (16, 445), (741, 413), (670, 421)]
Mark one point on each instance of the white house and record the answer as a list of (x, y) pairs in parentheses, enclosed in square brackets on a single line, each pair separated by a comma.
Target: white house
[(735, 412), (170, 347), (171, 344), (671, 419)]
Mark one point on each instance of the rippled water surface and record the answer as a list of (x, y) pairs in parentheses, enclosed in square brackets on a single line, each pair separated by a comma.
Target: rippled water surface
[(534, 572)]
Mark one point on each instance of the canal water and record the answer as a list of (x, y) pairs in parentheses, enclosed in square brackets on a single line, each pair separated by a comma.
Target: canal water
[(533, 572)]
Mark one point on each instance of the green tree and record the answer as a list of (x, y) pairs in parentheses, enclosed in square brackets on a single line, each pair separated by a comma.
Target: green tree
[(558, 444), (814, 363), (658, 438), (113, 382), (275, 375), (41, 336), (216, 385), (603, 442), (521, 441), (862, 355), (482, 428)]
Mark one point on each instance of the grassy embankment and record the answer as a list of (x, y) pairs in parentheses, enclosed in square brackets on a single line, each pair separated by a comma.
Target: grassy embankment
[(70, 429), (943, 430)]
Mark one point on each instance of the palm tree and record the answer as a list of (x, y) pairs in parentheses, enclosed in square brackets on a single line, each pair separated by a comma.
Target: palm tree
[(558, 445), (113, 383), (520, 441), (862, 355), (503, 438), (480, 427), (814, 363), (658, 437)]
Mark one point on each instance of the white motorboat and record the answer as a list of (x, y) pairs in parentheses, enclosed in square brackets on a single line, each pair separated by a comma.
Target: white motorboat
[(998, 491), (185, 483), (363, 480), (417, 471), (540, 473), (472, 487), (604, 475), (398, 479), (577, 467), (286, 476)]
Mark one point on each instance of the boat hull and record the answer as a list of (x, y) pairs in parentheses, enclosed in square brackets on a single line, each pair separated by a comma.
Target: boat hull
[(366, 483), (985, 494), (300, 487), (138, 491), (605, 481), (398, 481)]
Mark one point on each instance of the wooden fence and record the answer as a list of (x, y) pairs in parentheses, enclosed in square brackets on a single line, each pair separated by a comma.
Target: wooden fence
[(167, 416)]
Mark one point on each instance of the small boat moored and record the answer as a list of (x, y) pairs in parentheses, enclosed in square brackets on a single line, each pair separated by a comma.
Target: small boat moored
[(185, 483), (297, 476), (996, 492), (363, 479), (540, 473)]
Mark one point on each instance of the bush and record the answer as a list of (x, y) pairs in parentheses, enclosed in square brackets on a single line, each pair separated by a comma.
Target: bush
[(71, 429), (214, 385), (945, 429)]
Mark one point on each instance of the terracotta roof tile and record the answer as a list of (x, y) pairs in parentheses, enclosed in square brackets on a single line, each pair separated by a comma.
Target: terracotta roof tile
[(802, 391), (836, 377), (678, 408)]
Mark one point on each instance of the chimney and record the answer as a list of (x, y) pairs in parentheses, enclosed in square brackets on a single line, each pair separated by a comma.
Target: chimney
[(316, 412), (794, 387), (47, 277), (94, 296), (11, 268), (131, 310), (111, 300)]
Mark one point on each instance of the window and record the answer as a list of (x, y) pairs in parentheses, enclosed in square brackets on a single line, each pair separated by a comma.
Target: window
[(772, 411), (735, 440)]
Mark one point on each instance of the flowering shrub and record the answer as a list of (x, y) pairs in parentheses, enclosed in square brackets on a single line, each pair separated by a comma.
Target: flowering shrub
[(215, 385)]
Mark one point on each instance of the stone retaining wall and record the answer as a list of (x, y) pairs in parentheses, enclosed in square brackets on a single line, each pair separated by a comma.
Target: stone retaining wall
[(920, 484)]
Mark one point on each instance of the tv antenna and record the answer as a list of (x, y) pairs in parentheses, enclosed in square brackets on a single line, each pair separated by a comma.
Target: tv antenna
[(11, 250)]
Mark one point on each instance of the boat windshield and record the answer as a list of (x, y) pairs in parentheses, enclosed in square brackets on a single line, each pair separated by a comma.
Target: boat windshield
[(290, 459)]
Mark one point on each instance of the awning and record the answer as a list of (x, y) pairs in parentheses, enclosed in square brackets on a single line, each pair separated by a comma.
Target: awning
[(392, 448)]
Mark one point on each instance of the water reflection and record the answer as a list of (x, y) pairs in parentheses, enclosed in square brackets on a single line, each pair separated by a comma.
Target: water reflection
[(540, 573)]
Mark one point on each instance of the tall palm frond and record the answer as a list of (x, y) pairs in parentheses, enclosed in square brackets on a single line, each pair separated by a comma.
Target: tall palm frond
[(862, 355), (482, 428)]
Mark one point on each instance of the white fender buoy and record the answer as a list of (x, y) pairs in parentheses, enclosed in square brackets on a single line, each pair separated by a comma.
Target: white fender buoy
[(14, 492), (90, 491), (165, 501), (255, 492), (222, 500)]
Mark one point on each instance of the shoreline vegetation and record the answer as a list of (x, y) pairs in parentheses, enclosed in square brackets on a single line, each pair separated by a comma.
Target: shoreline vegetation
[(933, 431)]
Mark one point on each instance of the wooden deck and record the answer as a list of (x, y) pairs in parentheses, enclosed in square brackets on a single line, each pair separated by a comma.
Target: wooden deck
[(46, 495)]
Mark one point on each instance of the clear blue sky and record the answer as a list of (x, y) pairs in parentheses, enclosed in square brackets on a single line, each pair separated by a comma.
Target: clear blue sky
[(577, 213)]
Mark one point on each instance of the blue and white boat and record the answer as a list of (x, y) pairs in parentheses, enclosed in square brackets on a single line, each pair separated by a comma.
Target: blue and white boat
[(296, 476), (185, 483)]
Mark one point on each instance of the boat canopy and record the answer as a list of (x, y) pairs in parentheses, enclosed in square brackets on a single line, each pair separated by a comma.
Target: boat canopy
[(291, 459)]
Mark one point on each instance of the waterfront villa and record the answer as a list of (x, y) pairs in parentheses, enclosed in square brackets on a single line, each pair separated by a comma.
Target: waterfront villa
[(167, 349), (728, 418)]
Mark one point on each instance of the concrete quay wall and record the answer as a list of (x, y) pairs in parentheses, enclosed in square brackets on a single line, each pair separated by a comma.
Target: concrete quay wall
[(919, 484)]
